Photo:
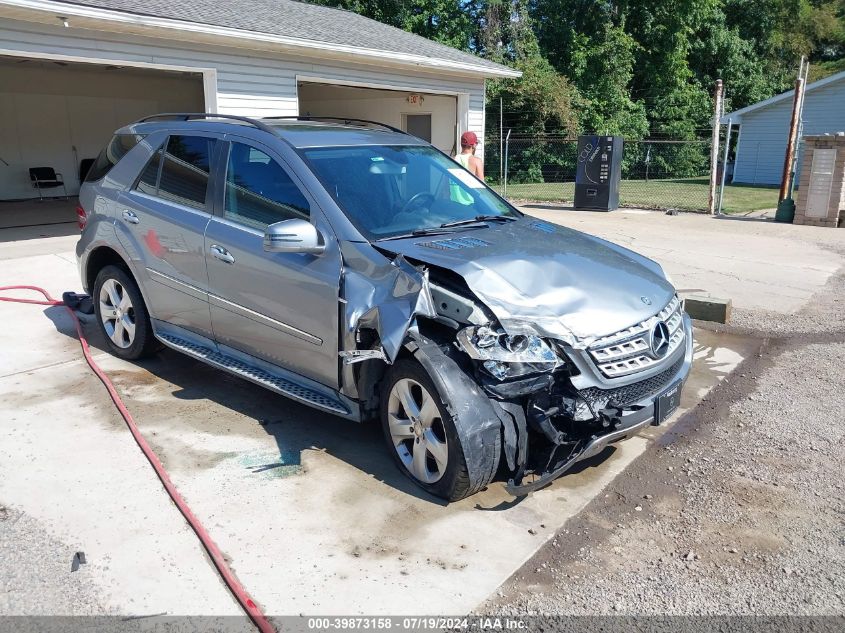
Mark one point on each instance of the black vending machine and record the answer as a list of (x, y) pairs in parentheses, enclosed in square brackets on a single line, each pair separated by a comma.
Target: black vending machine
[(598, 173)]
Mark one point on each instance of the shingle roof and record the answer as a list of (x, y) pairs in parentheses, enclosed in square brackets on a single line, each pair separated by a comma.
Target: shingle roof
[(298, 20)]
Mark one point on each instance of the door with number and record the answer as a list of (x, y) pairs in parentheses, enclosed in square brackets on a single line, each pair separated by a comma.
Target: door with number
[(279, 307), (162, 219)]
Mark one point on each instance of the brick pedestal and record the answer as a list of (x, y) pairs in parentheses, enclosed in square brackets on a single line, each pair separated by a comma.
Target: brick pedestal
[(836, 202)]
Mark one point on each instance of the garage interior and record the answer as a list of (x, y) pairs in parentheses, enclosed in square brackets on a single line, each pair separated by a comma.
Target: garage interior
[(57, 114), (432, 117)]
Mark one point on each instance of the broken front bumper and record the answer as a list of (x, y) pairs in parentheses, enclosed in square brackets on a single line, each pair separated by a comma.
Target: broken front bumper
[(623, 423)]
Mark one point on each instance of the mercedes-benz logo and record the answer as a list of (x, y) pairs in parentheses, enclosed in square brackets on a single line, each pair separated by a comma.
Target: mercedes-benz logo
[(659, 340)]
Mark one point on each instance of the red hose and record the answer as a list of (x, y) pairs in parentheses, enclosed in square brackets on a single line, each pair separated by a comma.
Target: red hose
[(238, 591)]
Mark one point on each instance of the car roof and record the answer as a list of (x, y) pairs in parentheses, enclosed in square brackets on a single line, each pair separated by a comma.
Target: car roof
[(302, 132)]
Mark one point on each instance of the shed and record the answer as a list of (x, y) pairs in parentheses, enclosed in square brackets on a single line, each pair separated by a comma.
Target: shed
[(73, 72), (764, 126)]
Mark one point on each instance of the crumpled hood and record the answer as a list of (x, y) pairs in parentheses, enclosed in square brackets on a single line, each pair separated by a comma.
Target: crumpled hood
[(542, 278)]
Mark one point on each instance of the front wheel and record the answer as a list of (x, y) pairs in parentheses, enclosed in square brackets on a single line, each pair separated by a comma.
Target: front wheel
[(421, 434), (122, 315)]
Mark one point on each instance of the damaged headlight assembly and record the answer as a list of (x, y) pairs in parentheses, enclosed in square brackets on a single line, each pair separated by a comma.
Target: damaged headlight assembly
[(504, 356)]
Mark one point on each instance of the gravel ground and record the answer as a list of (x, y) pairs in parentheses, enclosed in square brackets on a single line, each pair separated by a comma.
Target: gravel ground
[(26, 545), (825, 315), (738, 510)]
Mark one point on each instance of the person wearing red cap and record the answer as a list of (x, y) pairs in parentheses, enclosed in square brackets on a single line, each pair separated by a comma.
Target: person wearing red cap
[(467, 158)]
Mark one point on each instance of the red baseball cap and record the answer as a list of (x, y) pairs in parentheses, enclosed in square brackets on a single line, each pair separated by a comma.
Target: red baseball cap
[(469, 139)]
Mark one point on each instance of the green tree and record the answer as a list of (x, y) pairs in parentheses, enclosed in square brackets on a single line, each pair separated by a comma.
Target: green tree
[(542, 100), (720, 52), (781, 31), (540, 103), (586, 42)]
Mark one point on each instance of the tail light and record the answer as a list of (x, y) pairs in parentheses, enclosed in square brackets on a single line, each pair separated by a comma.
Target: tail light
[(81, 217)]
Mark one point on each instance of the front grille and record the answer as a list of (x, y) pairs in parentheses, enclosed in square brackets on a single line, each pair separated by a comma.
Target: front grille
[(629, 351), (629, 394)]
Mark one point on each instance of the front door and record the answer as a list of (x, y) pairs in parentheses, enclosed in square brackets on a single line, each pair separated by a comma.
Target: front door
[(164, 215), (279, 307)]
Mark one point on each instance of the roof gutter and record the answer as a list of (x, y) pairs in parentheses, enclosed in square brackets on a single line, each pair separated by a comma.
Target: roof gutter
[(248, 39)]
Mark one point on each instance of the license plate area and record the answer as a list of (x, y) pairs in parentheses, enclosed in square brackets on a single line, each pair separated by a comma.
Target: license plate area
[(667, 403)]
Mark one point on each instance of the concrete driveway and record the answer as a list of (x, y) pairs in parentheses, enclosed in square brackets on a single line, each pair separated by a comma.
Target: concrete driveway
[(309, 508), (755, 262)]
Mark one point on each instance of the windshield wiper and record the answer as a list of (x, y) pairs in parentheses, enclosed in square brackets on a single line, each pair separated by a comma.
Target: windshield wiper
[(479, 219), (431, 230)]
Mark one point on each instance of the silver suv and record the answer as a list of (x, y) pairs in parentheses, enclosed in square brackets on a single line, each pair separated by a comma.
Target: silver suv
[(355, 268)]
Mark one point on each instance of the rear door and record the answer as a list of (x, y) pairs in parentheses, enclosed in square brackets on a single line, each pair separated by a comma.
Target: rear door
[(166, 212), (279, 307)]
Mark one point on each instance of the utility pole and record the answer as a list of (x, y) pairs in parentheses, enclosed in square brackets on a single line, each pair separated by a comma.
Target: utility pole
[(786, 178), (786, 205), (803, 71), (714, 146)]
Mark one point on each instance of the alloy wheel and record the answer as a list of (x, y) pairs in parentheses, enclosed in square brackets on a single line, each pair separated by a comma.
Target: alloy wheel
[(117, 313), (417, 430)]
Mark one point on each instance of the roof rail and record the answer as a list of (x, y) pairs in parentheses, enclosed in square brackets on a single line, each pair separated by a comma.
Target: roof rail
[(188, 116), (337, 118)]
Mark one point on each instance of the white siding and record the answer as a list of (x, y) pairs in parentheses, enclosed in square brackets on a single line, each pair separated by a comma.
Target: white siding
[(248, 83), (762, 144)]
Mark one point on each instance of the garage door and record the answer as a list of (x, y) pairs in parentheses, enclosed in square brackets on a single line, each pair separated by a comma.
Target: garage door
[(432, 117), (58, 114)]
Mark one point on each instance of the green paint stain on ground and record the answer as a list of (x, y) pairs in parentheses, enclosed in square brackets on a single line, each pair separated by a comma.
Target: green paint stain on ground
[(272, 465)]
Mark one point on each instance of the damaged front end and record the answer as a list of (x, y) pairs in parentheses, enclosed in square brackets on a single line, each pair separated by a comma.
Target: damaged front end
[(554, 399), (559, 404)]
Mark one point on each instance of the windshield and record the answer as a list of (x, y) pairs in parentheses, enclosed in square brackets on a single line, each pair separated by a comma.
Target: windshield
[(389, 191)]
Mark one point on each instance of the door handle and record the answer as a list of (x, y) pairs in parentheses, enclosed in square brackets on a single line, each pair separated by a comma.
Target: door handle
[(130, 217), (222, 254)]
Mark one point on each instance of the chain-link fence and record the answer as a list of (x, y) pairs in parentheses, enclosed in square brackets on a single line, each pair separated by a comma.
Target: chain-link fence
[(661, 174)]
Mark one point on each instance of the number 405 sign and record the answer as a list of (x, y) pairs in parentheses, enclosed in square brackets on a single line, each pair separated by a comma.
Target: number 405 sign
[(415, 100)]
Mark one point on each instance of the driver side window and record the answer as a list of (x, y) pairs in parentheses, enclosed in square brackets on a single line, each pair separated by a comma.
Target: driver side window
[(259, 192)]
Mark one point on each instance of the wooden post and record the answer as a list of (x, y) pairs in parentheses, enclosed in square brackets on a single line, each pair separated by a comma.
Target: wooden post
[(786, 178), (724, 167), (714, 146)]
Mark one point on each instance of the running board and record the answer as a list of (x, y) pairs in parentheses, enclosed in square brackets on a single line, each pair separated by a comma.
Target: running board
[(280, 385)]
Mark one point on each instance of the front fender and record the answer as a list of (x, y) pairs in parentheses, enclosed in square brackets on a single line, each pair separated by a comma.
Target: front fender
[(475, 419)]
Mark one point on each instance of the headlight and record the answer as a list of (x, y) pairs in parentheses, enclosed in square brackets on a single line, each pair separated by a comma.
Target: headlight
[(504, 356)]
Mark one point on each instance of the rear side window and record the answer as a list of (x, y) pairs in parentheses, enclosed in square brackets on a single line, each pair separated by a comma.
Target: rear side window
[(179, 172), (148, 180), (111, 155), (184, 174)]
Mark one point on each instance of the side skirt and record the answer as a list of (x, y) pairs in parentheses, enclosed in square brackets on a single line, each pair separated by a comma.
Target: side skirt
[(258, 372)]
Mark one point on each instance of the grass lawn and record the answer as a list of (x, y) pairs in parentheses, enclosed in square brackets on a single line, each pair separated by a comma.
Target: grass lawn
[(686, 193)]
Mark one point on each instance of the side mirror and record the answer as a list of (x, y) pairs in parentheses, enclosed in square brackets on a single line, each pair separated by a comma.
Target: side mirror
[(293, 236)]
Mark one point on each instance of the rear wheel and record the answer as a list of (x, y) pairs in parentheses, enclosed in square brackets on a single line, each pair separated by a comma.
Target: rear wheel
[(122, 315), (421, 434)]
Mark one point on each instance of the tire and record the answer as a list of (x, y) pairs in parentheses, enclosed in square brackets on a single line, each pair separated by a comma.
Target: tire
[(437, 436), (115, 285)]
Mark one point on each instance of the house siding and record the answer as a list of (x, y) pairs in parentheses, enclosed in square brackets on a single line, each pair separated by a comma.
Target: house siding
[(250, 83), (762, 144)]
